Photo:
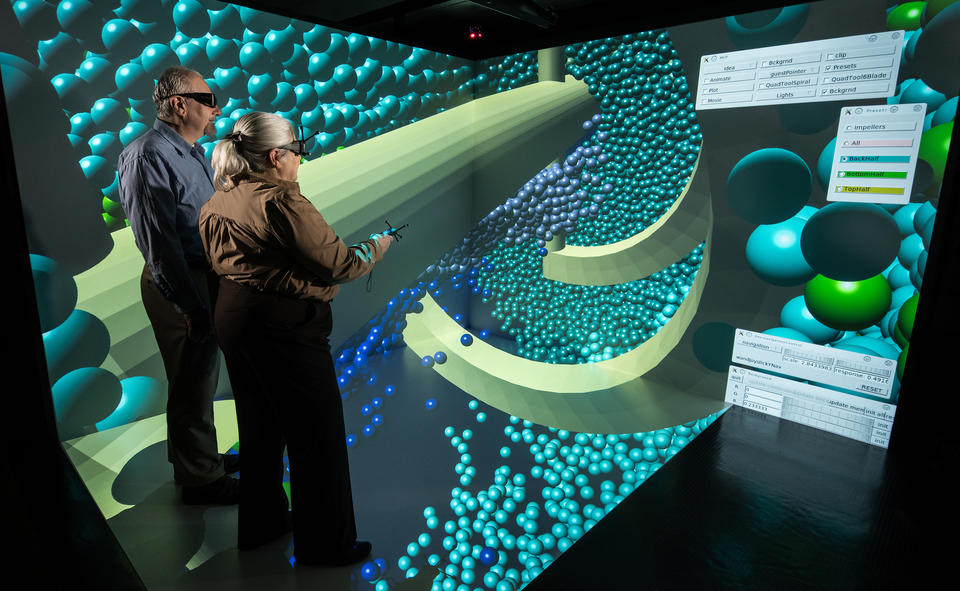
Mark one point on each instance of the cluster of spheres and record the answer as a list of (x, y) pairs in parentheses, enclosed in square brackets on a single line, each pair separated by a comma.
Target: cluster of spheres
[(549, 487), (636, 158), (86, 397), (860, 265), (102, 61), (648, 130), (512, 71)]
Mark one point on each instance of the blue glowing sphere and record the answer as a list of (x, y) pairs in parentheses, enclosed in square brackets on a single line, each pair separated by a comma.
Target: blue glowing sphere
[(370, 571)]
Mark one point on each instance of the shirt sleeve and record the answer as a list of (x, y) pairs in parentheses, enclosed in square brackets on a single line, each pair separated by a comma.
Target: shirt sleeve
[(315, 245), (148, 195)]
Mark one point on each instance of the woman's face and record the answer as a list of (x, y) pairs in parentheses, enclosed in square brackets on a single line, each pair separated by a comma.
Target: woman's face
[(288, 164)]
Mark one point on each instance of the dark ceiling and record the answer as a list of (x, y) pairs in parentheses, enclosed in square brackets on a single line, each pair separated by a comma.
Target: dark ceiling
[(507, 26)]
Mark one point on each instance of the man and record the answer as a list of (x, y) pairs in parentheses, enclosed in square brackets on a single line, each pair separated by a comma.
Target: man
[(164, 181)]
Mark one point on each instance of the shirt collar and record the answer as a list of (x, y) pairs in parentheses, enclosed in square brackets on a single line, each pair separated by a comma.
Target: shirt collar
[(286, 186), (176, 140)]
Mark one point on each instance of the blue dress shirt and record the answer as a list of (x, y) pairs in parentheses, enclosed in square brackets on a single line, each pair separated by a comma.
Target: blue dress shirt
[(164, 181)]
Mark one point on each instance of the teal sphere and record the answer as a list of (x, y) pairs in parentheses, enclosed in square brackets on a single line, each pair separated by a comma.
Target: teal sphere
[(759, 176), (55, 290), (825, 163), (909, 250), (191, 18), (121, 38), (141, 397), (773, 252), (766, 27), (850, 241), (157, 57), (81, 340), (795, 315), (83, 397)]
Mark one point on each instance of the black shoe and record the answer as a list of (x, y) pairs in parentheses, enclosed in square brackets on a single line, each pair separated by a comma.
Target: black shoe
[(222, 491), (357, 552), (231, 463)]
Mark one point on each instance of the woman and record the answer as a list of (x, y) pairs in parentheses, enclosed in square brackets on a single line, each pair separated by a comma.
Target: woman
[(279, 264)]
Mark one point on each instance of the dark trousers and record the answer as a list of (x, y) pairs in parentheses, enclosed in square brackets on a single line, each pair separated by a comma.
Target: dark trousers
[(278, 356), (192, 370)]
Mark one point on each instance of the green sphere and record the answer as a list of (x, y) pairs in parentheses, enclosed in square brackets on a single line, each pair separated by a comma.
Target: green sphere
[(908, 16), (848, 305), (933, 8), (112, 208), (898, 336), (934, 144), (113, 223), (908, 311), (902, 361)]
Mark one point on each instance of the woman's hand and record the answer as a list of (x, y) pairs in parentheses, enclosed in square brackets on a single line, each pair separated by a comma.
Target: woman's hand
[(384, 241)]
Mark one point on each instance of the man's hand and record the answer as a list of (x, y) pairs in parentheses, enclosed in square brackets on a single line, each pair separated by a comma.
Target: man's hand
[(199, 327)]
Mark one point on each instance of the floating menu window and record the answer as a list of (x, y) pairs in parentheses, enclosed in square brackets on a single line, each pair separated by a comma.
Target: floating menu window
[(861, 66), (866, 374), (876, 153), (865, 420)]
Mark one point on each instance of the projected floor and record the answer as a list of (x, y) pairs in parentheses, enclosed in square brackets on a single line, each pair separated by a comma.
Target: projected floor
[(440, 479)]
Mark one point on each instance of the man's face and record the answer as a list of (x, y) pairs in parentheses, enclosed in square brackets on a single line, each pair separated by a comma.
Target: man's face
[(198, 119)]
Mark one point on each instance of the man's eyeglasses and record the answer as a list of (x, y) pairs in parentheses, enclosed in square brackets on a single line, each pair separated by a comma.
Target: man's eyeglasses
[(204, 98)]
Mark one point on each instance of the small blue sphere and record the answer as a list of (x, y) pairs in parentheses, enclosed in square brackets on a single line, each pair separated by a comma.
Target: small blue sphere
[(488, 556), (370, 571), (431, 403), (440, 357)]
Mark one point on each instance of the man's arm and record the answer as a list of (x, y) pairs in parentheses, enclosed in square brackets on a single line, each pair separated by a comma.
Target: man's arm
[(147, 193)]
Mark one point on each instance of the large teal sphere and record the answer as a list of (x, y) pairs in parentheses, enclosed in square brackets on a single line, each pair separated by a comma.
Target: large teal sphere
[(825, 163), (850, 241), (775, 26), (191, 18), (55, 290), (142, 397), (81, 340), (83, 397), (769, 186), (773, 252)]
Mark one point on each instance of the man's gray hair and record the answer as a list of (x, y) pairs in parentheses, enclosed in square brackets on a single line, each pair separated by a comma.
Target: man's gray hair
[(174, 80)]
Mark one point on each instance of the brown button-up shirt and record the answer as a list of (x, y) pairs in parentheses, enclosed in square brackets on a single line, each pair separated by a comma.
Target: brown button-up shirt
[(266, 235)]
